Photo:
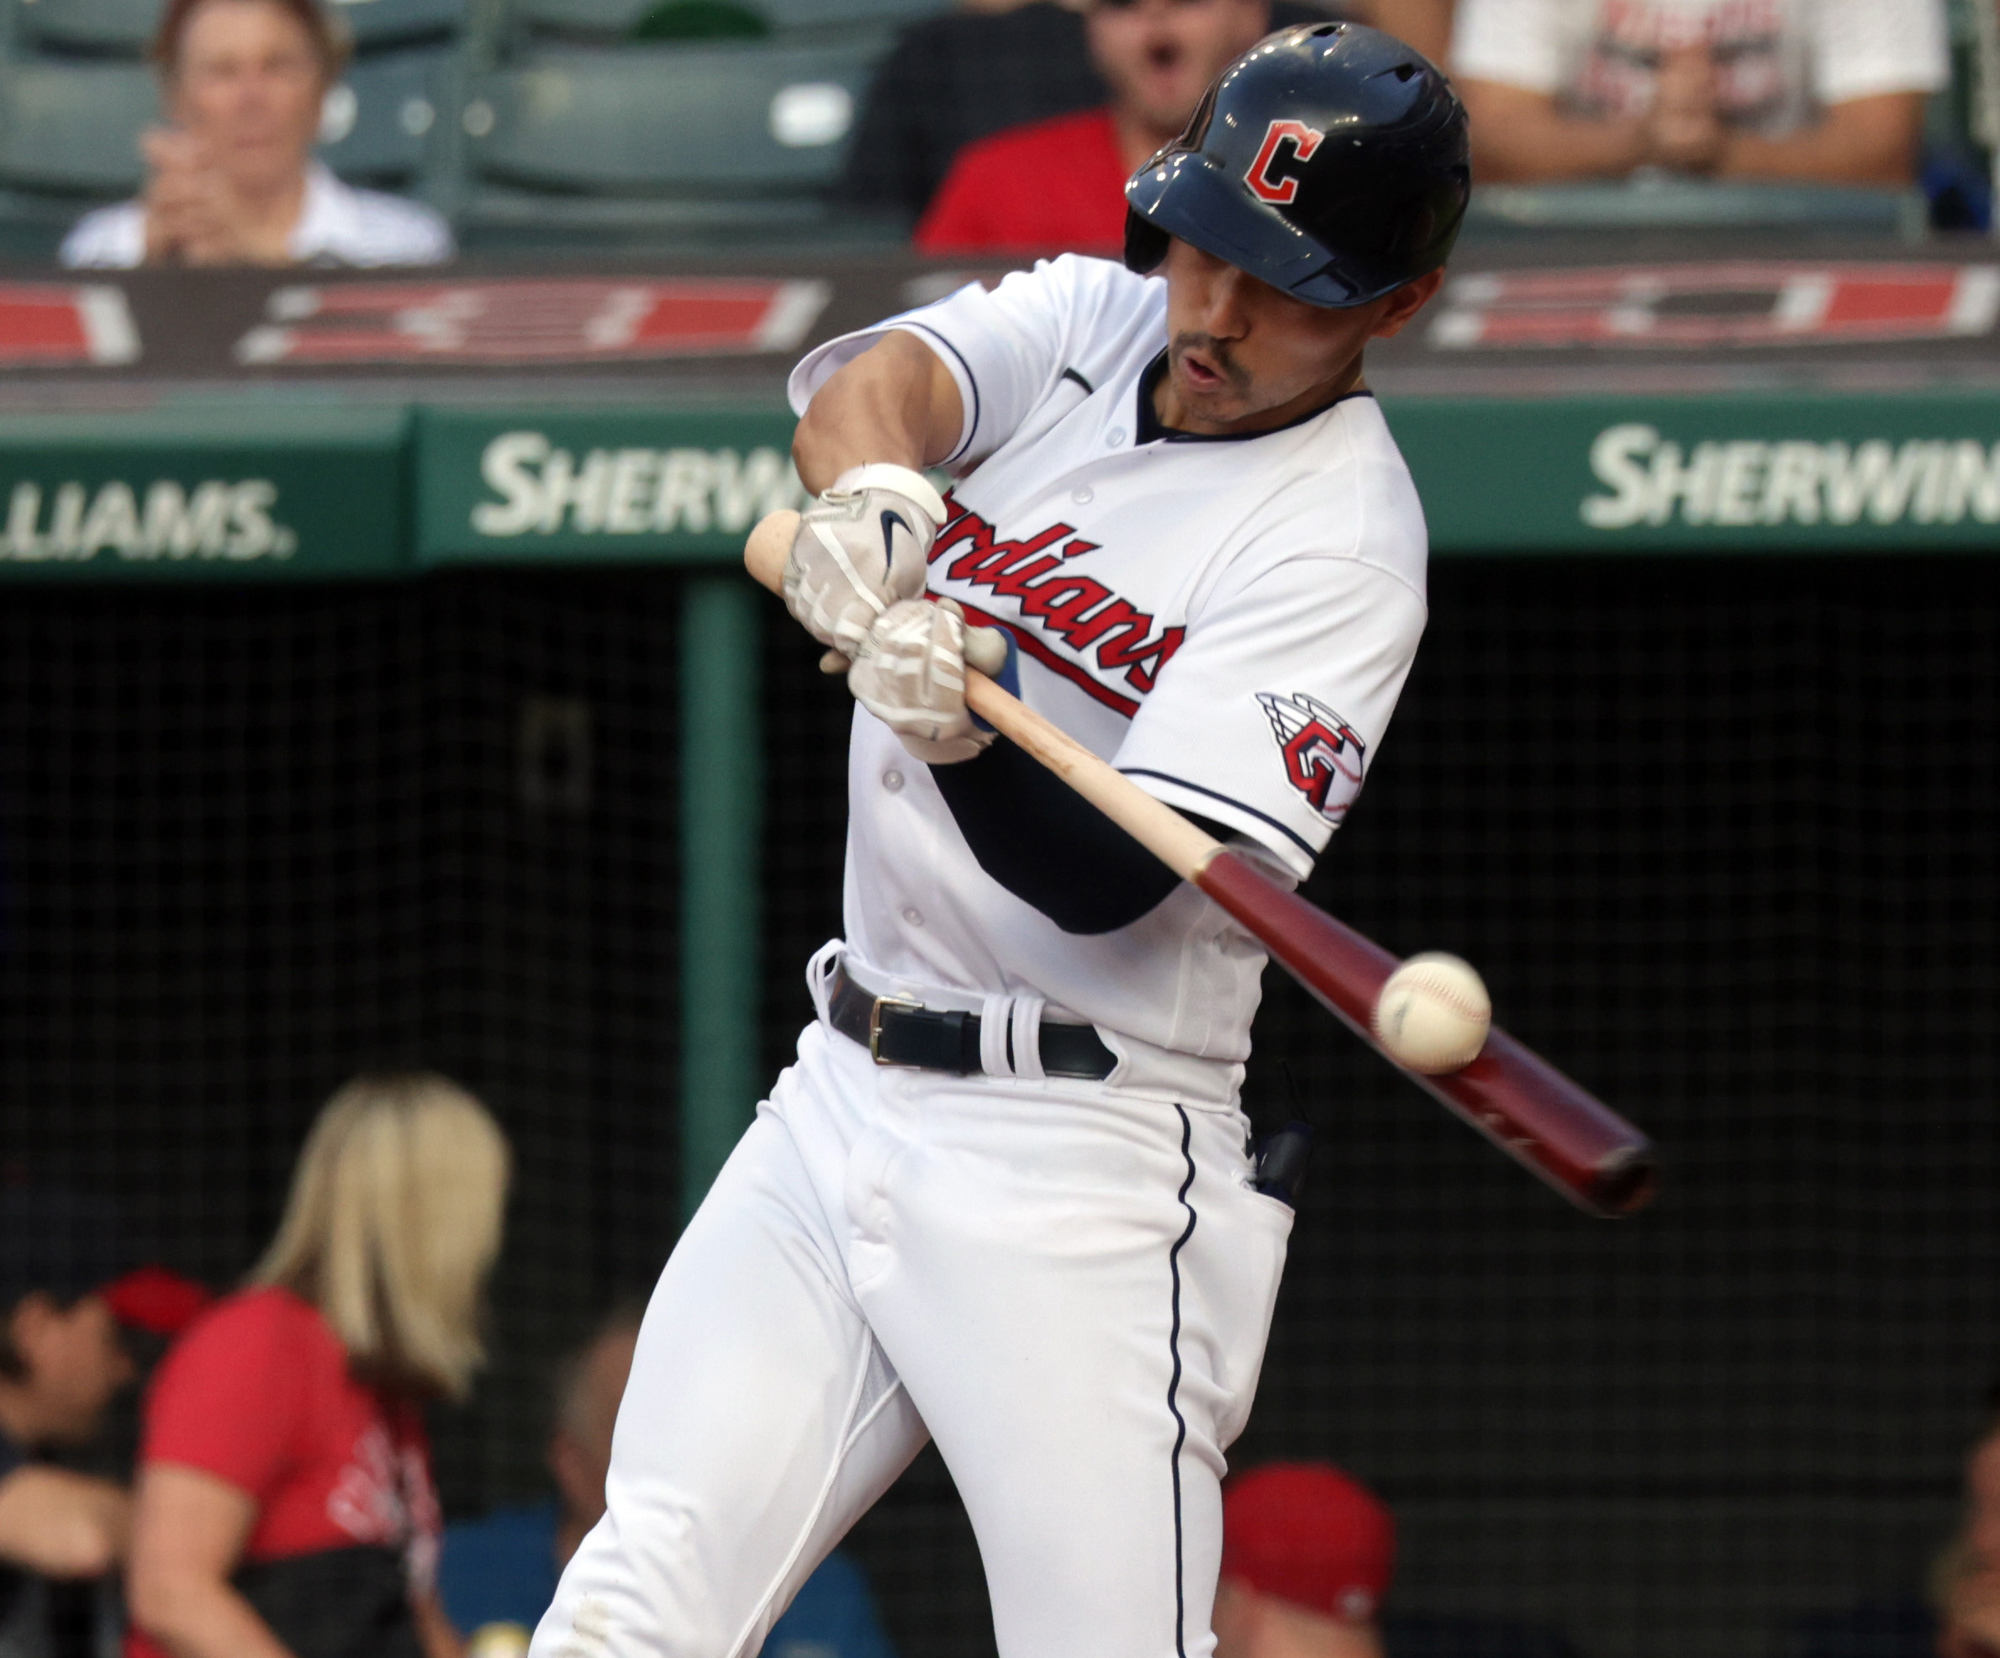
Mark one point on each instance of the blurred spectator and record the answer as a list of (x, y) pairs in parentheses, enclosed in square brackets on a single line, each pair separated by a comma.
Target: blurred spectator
[(61, 1364), (65, 1288), (1060, 184), (1967, 1581), (233, 180), (1307, 1554), (284, 1506), (952, 80), (1827, 91), (499, 1574), (1962, 1619)]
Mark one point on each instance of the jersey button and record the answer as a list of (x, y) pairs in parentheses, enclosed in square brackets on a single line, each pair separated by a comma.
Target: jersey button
[(892, 781), (1115, 437), (913, 915), (1082, 495)]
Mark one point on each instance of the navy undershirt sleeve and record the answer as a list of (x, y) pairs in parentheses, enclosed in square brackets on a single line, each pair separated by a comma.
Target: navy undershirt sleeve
[(1050, 847)]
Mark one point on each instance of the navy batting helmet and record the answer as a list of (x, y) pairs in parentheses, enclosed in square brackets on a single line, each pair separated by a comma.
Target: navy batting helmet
[(1329, 160)]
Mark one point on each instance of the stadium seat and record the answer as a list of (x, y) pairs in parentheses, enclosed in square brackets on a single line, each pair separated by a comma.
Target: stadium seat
[(604, 21), (112, 27), (800, 14), (69, 131), (388, 123), (72, 129), (124, 28), (379, 23), (734, 120)]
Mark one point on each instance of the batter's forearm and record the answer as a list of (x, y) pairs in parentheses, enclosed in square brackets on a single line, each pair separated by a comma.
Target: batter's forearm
[(1050, 847), (895, 402)]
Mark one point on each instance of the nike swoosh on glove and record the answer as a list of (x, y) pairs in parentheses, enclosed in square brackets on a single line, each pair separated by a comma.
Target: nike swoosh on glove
[(910, 674), (861, 547)]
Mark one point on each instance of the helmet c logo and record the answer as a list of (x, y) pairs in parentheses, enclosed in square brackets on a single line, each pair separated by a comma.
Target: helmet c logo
[(1264, 179)]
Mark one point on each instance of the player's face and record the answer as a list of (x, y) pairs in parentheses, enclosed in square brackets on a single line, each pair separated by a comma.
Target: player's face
[(1243, 357)]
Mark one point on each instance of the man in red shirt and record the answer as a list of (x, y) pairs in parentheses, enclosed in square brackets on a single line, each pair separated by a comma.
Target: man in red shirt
[(1059, 185)]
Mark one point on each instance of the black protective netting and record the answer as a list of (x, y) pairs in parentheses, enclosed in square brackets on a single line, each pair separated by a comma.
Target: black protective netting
[(253, 842), (1721, 836)]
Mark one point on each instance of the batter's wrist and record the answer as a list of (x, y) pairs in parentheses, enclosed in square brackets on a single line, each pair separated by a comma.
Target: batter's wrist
[(906, 481)]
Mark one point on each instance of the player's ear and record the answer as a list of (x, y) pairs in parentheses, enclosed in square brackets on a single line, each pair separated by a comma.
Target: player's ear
[(1400, 306)]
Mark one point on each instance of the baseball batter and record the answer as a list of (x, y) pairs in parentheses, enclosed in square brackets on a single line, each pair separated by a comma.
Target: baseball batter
[(1003, 1198)]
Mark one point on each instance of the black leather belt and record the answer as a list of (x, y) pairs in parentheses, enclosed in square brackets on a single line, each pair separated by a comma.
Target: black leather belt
[(898, 1032)]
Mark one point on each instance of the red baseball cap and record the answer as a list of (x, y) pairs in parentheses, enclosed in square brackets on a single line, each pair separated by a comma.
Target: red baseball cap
[(153, 1299), (1306, 1533)]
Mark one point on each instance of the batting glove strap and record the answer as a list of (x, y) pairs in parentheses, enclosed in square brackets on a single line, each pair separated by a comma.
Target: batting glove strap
[(909, 672), (862, 546), (913, 486)]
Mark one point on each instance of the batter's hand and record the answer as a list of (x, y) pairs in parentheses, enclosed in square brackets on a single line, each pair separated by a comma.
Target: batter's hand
[(910, 674), (861, 547)]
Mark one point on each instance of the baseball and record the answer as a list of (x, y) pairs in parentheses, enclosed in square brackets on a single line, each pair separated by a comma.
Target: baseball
[(1433, 1014)]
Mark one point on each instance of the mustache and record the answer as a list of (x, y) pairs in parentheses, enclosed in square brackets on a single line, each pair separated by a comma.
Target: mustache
[(1217, 352)]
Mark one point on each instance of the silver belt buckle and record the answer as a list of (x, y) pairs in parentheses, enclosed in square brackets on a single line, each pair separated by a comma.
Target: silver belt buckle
[(875, 1027)]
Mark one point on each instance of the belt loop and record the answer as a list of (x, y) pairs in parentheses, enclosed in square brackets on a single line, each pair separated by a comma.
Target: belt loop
[(1026, 1029), (994, 1016), (968, 1054), (819, 977)]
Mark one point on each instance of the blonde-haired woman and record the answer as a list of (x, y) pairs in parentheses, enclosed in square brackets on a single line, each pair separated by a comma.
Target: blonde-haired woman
[(284, 1506)]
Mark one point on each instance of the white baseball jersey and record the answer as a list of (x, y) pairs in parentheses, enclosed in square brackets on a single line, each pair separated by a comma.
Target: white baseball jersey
[(1229, 621)]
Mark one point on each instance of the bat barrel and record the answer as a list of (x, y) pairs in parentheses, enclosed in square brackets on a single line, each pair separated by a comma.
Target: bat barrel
[(1629, 1182), (1519, 1101), (1553, 1126)]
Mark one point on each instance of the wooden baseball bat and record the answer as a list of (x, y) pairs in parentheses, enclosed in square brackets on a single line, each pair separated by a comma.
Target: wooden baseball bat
[(1519, 1101)]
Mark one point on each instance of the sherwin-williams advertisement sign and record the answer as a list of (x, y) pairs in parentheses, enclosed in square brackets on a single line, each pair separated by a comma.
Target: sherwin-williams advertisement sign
[(232, 492), (640, 484), (1497, 475), (325, 490), (1711, 474)]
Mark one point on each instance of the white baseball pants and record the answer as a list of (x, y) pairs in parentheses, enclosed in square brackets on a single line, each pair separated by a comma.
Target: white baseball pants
[(1068, 1288)]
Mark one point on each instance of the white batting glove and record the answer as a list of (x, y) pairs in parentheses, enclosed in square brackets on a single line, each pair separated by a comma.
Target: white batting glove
[(910, 674), (863, 545)]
